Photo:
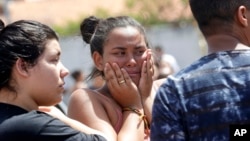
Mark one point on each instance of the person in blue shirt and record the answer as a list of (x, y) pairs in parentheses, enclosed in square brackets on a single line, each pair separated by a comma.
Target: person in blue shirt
[(203, 100)]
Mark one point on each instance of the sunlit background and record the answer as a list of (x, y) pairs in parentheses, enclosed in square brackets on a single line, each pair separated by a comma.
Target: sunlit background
[(168, 23)]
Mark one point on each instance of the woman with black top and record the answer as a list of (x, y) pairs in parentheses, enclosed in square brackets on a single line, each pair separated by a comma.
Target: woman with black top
[(32, 75)]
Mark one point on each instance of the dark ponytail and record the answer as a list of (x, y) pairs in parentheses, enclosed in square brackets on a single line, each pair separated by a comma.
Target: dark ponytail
[(88, 27)]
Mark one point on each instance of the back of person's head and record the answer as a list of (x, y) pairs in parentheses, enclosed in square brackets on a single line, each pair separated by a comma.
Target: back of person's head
[(95, 31), (24, 39), (213, 16)]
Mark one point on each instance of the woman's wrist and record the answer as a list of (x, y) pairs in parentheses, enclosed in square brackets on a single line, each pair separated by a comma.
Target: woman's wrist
[(141, 115)]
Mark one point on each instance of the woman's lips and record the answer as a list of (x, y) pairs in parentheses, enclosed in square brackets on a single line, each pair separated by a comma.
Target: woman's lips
[(133, 74)]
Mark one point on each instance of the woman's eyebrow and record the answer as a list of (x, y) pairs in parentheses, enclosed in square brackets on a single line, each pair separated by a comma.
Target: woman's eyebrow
[(119, 47), (139, 47)]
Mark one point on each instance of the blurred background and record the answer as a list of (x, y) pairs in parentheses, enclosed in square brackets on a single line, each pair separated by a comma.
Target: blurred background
[(169, 24)]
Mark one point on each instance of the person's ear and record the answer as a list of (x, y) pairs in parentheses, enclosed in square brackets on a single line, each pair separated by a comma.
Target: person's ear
[(242, 15), (21, 67), (98, 60)]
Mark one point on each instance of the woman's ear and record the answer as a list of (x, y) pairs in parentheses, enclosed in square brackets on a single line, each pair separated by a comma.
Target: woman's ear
[(21, 67), (242, 15), (98, 60)]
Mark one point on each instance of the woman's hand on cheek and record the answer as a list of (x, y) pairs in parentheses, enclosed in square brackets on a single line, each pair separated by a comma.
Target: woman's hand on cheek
[(147, 72), (121, 87)]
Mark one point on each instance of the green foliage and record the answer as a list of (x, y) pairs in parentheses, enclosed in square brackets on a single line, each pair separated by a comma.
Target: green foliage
[(130, 3), (148, 20), (101, 13), (70, 29), (73, 27), (150, 13)]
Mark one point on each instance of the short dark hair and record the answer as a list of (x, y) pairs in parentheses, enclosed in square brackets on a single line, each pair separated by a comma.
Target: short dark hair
[(23, 39), (214, 15)]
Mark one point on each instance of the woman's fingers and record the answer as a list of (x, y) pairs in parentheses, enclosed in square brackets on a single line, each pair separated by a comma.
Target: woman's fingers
[(127, 78), (109, 74), (147, 67), (119, 75), (119, 83), (150, 64), (115, 76), (144, 69)]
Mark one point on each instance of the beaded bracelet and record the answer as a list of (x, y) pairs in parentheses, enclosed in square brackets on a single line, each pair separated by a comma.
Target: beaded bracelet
[(142, 116)]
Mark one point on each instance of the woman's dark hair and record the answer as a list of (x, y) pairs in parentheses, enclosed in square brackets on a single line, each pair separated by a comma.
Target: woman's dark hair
[(23, 39), (212, 14), (94, 31)]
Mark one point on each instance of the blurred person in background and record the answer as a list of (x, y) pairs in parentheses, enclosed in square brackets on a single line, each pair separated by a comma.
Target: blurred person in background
[(78, 77), (96, 82), (166, 63)]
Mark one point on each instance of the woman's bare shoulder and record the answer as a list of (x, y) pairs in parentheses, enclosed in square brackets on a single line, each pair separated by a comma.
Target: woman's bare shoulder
[(83, 96)]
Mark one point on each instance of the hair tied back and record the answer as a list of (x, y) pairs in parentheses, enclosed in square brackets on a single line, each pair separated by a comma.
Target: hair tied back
[(88, 27)]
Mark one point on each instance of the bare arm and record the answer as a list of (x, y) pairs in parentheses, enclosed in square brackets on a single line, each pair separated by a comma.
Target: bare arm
[(145, 85), (148, 101), (53, 111), (86, 108)]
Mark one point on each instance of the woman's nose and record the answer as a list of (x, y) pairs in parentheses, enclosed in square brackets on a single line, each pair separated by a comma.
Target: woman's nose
[(131, 61), (64, 71)]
